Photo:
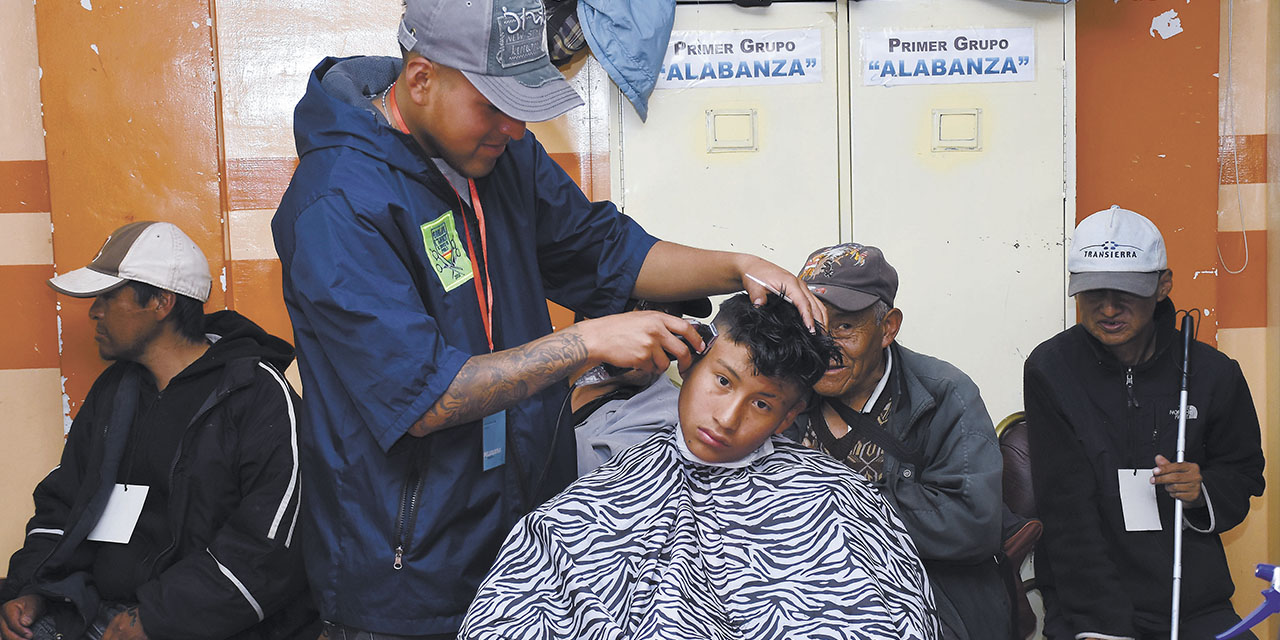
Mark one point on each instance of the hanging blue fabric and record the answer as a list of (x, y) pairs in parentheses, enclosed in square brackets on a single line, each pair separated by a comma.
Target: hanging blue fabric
[(630, 40)]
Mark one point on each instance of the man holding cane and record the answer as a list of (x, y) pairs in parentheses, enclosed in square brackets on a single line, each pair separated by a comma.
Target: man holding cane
[(1102, 401)]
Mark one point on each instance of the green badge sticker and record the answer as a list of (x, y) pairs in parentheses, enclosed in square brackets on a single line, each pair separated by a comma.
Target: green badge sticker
[(448, 258)]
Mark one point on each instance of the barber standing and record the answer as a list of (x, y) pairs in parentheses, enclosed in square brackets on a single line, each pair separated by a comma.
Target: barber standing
[(420, 237)]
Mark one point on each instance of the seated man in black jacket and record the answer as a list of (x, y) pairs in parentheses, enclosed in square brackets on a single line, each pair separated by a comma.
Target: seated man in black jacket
[(172, 512), (1103, 409)]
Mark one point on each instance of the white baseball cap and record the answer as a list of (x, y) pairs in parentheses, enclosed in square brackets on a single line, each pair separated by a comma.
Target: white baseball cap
[(1116, 249), (155, 253)]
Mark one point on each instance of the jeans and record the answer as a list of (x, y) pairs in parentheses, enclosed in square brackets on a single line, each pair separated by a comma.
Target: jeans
[(45, 629)]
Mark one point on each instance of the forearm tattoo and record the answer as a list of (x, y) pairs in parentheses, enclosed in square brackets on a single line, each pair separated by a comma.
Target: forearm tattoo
[(495, 381)]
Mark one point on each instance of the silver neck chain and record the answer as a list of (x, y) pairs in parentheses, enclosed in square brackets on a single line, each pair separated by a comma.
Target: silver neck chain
[(385, 109)]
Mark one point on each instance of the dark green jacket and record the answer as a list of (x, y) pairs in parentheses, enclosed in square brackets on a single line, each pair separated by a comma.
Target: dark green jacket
[(949, 493)]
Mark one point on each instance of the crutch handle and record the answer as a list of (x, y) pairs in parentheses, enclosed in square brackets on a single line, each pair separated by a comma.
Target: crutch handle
[(1270, 603)]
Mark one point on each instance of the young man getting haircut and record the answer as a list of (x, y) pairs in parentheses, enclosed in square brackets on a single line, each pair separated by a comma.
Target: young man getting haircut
[(714, 527)]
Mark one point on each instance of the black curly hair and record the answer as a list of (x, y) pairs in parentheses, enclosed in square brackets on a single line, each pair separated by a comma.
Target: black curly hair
[(774, 334)]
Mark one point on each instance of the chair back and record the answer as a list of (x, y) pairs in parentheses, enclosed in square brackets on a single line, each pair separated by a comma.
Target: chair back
[(1021, 528)]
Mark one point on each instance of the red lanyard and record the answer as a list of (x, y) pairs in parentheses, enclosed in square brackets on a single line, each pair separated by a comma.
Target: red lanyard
[(484, 294), (484, 297)]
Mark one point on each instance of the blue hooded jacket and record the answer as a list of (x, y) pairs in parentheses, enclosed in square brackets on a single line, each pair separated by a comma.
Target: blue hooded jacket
[(401, 530)]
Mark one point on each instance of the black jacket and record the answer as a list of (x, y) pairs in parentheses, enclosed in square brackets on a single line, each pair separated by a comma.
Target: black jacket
[(233, 567), (1086, 421)]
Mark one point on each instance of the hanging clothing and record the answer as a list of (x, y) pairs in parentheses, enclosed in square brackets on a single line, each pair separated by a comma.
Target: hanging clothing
[(630, 40)]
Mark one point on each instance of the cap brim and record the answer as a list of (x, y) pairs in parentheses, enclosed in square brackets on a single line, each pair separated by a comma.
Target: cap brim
[(85, 283), (842, 298), (534, 96), (1137, 283)]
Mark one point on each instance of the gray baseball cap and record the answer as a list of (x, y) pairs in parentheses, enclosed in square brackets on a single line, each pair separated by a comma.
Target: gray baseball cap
[(1116, 249), (500, 46)]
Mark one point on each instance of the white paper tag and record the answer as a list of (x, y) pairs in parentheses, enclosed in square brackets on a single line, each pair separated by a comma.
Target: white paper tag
[(121, 515), (1138, 499)]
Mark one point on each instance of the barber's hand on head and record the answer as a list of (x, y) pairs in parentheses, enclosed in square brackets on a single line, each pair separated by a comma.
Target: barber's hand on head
[(784, 282), (19, 614), (1181, 479), (639, 340), (125, 626)]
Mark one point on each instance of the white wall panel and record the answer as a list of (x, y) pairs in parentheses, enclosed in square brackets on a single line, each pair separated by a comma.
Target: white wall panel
[(779, 201), (976, 236)]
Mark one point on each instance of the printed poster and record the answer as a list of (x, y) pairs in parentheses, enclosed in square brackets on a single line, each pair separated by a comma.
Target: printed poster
[(953, 56), (740, 58)]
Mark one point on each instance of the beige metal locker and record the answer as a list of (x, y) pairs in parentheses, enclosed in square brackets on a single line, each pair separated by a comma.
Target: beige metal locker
[(965, 181)]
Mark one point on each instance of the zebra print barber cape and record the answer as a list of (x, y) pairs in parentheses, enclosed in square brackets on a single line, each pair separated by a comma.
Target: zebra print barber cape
[(653, 545)]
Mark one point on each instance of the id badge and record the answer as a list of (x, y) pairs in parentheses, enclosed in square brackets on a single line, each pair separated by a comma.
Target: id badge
[(121, 515), (1138, 500), (495, 440)]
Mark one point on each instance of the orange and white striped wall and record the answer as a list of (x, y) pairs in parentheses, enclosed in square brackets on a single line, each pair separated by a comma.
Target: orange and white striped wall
[(1248, 223), (31, 404)]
